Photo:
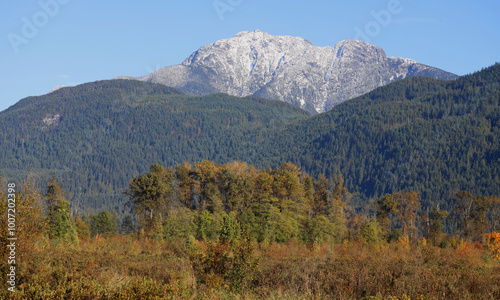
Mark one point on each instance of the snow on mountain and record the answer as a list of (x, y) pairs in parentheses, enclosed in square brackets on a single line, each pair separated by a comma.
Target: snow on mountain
[(290, 69)]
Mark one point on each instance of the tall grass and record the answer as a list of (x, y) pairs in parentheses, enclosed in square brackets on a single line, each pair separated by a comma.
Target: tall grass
[(120, 267)]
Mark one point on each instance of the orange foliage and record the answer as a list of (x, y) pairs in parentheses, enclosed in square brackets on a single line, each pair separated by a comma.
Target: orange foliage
[(494, 243)]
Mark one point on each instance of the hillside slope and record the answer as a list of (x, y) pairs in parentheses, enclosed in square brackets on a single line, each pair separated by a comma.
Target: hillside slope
[(97, 136), (420, 134)]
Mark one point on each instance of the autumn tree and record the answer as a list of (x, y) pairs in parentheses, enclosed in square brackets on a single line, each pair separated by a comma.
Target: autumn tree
[(287, 187), (186, 185), (386, 208), (28, 210), (264, 205), (180, 223), (371, 232), (207, 227), (339, 197), (308, 183), (322, 196), (463, 204), (60, 223), (288, 219), (436, 220), (53, 196), (480, 210), (210, 197), (355, 224), (82, 229), (151, 194), (320, 229), (230, 229), (474, 216), (407, 205), (327, 222), (30, 219)]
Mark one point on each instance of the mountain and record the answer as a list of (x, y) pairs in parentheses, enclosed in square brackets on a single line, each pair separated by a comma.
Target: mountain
[(97, 136), (289, 69), (418, 134)]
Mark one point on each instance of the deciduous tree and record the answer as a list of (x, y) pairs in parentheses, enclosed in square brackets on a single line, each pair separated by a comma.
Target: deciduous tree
[(407, 205), (151, 193), (60, 223)]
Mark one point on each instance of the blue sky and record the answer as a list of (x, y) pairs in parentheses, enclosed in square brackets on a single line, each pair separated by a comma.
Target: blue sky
[(47, 43)]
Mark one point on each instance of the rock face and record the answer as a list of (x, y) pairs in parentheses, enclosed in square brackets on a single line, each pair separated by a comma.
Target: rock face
[(290, 69), (57, 88)]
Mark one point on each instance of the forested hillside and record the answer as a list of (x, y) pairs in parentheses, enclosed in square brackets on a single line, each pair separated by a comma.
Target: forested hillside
[(422, 135), (408, 208), (419, 134), (95, 137)]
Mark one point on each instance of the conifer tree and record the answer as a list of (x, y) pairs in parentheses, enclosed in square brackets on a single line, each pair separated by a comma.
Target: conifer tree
[(436, 219), (60, 223), (407, 205), (386, 207), (230, 230), (53, 195), (151, 194), (127, 226), (104, 222)]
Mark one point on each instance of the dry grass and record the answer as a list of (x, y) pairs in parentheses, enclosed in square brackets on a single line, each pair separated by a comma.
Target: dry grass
[(128, 268)]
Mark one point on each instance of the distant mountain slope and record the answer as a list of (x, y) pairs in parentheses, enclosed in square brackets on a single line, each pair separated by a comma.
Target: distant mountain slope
[(97, 136), (290, 69), (420, 134)]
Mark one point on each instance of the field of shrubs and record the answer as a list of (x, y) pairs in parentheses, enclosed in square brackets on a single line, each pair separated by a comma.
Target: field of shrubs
[(134, 267)]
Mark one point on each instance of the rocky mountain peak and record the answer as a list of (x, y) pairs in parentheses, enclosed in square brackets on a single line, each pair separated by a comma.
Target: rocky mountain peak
[(290, 69)]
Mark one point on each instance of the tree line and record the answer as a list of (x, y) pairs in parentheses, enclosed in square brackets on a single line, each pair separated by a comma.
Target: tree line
[(232, 224), (206, 201), (285, 203), (415, 135)]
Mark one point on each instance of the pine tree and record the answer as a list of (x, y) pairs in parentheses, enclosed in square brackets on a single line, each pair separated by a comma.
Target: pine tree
[(407, 205), (104, 222), (230, 230), (60, 223), (386, 207), (150, 194), (53, 196), (436, 220)]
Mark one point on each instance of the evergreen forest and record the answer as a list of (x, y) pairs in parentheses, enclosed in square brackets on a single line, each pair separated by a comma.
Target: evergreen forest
[(123, 189)]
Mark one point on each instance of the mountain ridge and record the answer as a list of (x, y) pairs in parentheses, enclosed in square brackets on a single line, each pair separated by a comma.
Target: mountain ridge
[(96, 136), (289, 69), (418, 134)]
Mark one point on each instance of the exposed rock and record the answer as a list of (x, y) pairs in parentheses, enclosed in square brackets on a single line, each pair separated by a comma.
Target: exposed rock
[(57, 87), (290, 69), (52, 119)]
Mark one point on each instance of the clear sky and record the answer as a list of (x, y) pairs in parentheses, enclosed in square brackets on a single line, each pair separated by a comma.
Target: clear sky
[(46, 43)]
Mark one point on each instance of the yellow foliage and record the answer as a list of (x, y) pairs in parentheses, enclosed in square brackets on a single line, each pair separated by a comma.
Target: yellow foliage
[(494, 243), (405, 242)]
